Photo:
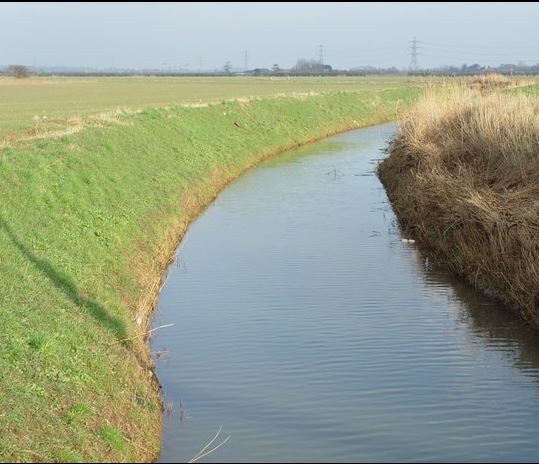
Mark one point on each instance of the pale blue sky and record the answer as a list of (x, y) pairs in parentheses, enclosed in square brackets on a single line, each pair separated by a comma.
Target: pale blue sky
[(194, 34)]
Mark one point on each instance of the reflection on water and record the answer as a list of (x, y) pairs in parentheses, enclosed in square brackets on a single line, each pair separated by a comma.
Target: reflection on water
[(491, 324), (311, 332)]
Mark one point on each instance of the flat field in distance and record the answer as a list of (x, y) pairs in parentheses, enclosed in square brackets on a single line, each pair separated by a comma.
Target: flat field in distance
[(37, 104)]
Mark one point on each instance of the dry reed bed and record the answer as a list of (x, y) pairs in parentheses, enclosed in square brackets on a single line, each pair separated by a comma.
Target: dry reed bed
[(463, 177)]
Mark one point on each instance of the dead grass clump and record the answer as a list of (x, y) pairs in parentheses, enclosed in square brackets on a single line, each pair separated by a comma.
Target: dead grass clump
[(463, 176), (494, 81)]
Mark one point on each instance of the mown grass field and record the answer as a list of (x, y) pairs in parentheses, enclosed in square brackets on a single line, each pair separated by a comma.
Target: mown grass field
[(89, 220), (39, 104)]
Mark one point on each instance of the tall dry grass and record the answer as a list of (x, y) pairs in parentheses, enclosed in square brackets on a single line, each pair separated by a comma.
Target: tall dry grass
[(493, 81), (463, 175)]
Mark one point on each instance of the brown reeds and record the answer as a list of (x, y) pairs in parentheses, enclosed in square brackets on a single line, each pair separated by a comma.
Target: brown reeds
[(463, 177)]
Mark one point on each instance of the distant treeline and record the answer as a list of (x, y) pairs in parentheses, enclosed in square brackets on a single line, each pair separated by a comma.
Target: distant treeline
[(320, 70), (478, 69)]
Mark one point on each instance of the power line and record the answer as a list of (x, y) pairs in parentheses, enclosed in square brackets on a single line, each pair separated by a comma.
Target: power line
[(435, 52), (321, 54), (481, 47)]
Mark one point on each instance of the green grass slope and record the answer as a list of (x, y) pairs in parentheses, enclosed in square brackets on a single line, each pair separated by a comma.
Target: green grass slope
[(88, 222)]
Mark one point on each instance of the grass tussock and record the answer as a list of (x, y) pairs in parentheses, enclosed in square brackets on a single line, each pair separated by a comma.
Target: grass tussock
[(463, 176)]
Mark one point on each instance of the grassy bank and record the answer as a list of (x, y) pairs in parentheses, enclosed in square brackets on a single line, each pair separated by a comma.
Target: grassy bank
[(463, 176), (88, 222)]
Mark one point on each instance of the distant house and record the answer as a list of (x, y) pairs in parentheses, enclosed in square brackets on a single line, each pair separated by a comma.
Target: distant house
[(260, 71)]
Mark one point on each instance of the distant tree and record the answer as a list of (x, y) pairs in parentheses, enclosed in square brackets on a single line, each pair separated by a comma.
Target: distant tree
[(275, 68), (304, 66), (227, 68), (19, 71), (475, 68)]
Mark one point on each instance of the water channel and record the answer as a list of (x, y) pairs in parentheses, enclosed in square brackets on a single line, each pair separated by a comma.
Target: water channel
[(308, 330)]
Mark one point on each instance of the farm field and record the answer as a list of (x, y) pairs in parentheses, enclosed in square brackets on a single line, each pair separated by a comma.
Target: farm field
[(32, 106)]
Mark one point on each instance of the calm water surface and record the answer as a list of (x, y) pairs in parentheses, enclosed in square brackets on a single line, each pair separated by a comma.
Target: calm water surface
[(308, 330)]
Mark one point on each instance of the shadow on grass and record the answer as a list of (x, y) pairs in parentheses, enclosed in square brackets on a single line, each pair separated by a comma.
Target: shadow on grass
[(67, 286)]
